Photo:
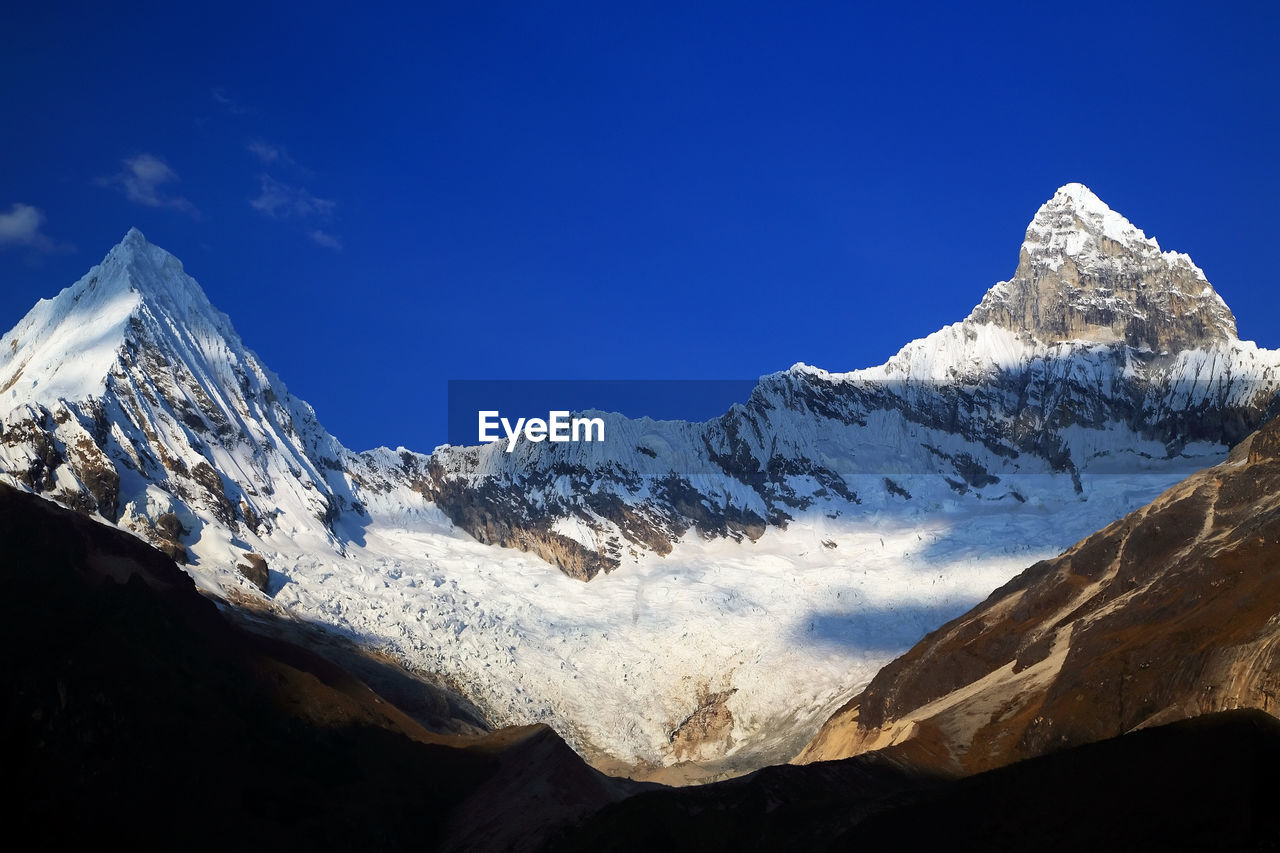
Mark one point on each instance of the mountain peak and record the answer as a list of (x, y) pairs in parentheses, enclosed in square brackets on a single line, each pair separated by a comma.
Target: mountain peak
[(133, 244), (1075, 214), (1087, 273), (145, 267), (133, 247), (134, 361), (1077, 194), (65, 346)]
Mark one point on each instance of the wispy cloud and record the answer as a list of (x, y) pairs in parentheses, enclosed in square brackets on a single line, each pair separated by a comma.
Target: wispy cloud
[(227, 102), (143, 180), (270, 155), (291, 201), (324, 238), (21, 227), (283, 201), (265, 152)]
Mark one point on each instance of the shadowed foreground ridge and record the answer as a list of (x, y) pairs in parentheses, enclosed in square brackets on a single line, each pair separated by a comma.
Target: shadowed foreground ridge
[(1208, 784), (135, 711)]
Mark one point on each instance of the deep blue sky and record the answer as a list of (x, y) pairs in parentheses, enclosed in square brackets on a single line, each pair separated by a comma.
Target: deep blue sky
[(385, 198)]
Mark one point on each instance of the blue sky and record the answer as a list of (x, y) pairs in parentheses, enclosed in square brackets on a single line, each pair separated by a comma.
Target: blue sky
[(388, 197)]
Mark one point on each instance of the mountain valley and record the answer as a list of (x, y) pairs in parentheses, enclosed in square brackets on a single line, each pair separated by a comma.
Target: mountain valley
[(687, 601)]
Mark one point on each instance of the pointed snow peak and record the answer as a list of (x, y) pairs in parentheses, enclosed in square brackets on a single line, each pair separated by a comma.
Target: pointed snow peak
[(133, 247), (1086, 273), (1080, 197), (1075, 220), (66, 346), (155, 280), (146, 267)]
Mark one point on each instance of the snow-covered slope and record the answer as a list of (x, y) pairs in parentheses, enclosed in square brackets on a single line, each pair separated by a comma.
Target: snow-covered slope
[(760, 566)]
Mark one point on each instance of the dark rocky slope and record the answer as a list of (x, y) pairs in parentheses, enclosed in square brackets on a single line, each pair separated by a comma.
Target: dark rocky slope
[(136, 713), (1207, 784)]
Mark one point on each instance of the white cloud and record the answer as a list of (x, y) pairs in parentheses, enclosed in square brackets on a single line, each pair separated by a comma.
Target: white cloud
[(142, 181), (282, 201), (270, 154), (267, 153), (324, 238), (21, 227)]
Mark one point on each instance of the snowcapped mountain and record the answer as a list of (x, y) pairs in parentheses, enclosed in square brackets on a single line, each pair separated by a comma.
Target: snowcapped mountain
[(762, 564), (1101, 355), (129, 395)]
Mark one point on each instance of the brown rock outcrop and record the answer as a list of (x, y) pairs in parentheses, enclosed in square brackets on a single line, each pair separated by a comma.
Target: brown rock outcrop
[(704, 730), (254, 568)]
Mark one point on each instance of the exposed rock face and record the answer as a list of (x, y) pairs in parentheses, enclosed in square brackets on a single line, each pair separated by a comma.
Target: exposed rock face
[(168, 532), (1169, 613), (254, 568), (95, 471), (700, 735), (1086, 273)]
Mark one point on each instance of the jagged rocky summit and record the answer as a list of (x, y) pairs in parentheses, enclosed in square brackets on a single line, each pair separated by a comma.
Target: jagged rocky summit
[(1085, 273), (129, 395)]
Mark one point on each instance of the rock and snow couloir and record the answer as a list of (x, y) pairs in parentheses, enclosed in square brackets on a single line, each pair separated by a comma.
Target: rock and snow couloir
[(767, 560)]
